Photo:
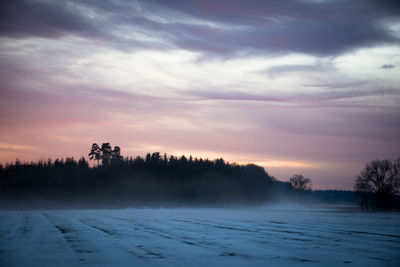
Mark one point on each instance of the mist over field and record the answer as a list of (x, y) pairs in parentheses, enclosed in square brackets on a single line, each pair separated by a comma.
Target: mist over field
[(152, 181)]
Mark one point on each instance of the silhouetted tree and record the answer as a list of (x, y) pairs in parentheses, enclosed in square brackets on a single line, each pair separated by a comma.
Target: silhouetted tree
[(106, 154), (82, 163), (95, 153), (106, 151), (379, 182), (300, 183), (116, 154)]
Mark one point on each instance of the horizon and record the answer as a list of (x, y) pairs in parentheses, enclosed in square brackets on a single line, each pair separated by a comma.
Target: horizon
[(308, 87), (92, 164)]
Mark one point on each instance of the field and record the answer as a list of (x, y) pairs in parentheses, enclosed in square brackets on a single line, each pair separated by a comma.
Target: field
[(279, 236)]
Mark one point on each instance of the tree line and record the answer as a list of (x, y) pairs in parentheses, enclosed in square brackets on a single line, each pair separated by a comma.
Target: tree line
[(154, 178), (161, 178)]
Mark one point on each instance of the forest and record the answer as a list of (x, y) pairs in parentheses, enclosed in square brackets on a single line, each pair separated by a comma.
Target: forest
[(153, 180)]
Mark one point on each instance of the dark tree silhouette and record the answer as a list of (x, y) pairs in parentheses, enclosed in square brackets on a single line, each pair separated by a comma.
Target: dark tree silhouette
[(95, 153), (106, 153), (82, 163), (379, 183), (116, 154), (300, 183)]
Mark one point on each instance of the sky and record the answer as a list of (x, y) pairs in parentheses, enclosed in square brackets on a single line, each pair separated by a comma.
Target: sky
[(308, 86)]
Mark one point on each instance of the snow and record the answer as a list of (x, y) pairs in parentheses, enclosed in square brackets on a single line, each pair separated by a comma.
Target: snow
[(200, 237)]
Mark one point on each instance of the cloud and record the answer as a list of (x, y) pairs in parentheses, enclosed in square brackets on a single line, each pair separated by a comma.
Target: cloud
[(16, 148), (233, 96), (319, 28), (332, 98), (214, 28), (45, 19), (58, 19), (298, 68), (387, 66)]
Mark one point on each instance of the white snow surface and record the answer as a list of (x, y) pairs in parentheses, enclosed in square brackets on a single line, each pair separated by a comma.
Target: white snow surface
[(200, 237)]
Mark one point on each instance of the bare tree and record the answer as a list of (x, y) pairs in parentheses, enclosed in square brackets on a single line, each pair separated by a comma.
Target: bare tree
[(396, 174), (379, 176), (379, 182), (300, 183)]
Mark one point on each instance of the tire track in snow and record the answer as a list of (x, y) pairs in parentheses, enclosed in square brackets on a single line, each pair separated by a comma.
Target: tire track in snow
[(82, 241), (71, 236), (157, 231), (299, 237), (140, 227), (127, 247), (12, 229), (182, 236), (25, 228)]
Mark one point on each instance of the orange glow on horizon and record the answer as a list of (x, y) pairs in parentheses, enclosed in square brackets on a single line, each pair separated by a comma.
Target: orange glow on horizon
[(246, 159)]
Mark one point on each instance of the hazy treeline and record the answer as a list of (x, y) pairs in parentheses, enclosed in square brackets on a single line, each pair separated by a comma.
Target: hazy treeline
[(151, 180), (154, 178), (332, 196)]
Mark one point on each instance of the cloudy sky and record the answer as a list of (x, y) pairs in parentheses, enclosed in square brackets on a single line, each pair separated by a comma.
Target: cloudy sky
[(308, 86)]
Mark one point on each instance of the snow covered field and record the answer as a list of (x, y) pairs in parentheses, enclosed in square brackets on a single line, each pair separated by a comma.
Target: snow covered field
[(200, 237)]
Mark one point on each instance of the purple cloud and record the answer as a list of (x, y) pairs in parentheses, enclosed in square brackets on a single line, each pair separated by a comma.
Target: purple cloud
[(223, 28), (44, 19)]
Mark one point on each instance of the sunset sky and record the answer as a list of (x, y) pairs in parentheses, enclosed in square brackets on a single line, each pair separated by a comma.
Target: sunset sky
[(309, 86)]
